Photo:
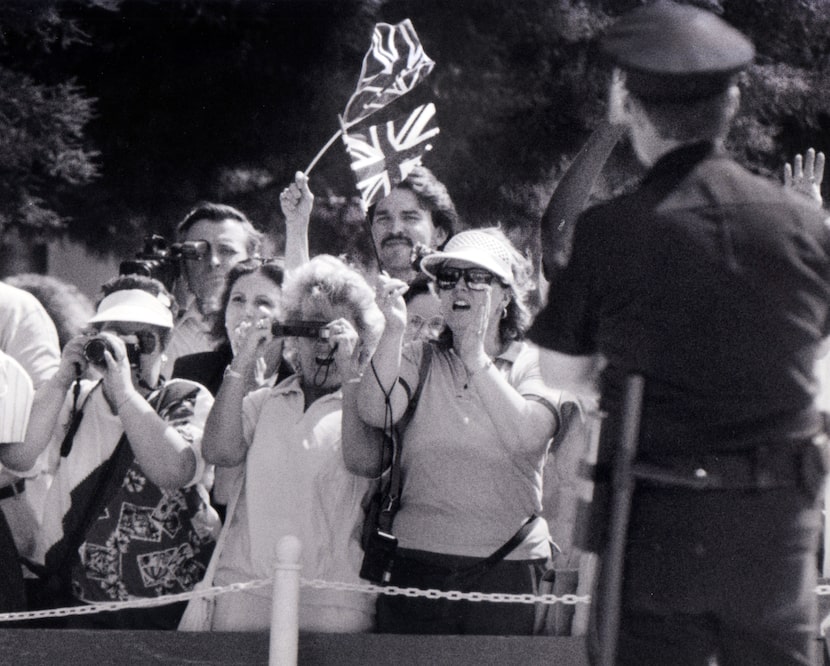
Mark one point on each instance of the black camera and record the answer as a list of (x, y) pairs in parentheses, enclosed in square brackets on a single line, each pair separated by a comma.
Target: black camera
[(378, 557), (161, 260), (301, 329), (95, 347)]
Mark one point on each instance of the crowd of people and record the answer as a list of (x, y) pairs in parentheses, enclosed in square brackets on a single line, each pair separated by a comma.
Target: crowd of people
[(177, 443), (398, 420)]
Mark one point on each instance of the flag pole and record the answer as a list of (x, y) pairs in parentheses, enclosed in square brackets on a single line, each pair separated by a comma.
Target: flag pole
[(343, 128), (372, 240), (322, 151)]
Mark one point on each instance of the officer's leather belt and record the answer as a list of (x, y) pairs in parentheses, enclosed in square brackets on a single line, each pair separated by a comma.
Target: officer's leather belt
[(762, 467), (14, 489)]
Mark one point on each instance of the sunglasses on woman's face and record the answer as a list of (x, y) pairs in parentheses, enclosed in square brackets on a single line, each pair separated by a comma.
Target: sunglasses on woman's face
[(476, 278)]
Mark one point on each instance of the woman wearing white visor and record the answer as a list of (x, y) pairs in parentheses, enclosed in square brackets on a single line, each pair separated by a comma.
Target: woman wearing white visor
[(473, 448), (127, 514)]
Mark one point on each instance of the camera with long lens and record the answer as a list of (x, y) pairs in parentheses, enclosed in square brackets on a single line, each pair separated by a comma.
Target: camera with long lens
[(161, 260), (301, 329), (95, 347)]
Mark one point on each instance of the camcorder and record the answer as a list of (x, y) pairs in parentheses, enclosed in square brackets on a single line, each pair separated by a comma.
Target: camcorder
[(301, 329), (95, 347), (161, 260)]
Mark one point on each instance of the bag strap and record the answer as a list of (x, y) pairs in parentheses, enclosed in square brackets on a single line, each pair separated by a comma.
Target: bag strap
[(482, 567), (392, 495), (77, 416), (210, 572)]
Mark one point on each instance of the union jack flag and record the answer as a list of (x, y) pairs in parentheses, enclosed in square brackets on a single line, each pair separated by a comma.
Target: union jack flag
[(393, 66), (384, 155)]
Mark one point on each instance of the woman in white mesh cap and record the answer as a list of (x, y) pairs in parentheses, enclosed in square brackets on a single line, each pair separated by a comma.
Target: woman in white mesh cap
[(473, 449)]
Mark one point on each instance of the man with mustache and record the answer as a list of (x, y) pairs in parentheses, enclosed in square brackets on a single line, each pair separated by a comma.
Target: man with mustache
[(418, 211)]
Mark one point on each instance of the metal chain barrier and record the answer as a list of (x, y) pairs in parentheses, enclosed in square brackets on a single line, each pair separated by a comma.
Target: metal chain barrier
[(319, 584), (452, 595), (150, 602), (316, 583)]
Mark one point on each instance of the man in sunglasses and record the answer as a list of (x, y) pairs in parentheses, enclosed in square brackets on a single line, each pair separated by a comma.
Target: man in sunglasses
[(713, 286), (218, 237)]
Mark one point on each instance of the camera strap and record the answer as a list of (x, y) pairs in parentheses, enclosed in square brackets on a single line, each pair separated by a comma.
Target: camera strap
[(77, 416), (393, 439)]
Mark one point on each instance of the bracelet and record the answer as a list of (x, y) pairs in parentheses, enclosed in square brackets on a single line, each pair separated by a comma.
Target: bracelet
[(230, 372), (354, 380), (483, 368)]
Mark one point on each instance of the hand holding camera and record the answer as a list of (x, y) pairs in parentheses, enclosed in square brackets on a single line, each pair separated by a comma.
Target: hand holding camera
[(114, 357), (343, 341), (249, 338), (95, 347), (73, 362)]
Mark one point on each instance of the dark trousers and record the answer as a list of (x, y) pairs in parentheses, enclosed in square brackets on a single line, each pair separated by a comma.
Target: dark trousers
[(418, 615), (720, 574), (12, 594)]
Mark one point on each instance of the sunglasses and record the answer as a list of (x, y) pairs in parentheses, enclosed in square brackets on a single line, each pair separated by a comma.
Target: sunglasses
[(476, 278)]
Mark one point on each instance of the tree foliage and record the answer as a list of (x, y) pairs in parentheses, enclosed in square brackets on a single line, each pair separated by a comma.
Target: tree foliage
[(225, 100), (42, 122)]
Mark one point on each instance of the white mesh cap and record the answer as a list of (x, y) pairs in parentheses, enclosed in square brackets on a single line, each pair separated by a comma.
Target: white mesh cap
[(477, 247)]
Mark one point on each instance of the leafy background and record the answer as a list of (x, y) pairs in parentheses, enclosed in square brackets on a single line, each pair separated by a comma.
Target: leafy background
[(118, 115)]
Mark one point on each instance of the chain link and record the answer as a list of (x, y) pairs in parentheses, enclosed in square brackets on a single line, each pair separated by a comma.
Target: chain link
[(316, 583), (451, 595)]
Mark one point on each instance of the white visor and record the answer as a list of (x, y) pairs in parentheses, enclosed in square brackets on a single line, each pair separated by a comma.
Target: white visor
[(135, 305), (478, 248)]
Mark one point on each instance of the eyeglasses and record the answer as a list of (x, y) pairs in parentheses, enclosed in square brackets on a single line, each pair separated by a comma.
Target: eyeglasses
[(476, 278), (434, 325)]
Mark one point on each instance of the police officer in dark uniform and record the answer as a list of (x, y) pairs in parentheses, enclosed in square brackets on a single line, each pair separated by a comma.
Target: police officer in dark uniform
[(714, 286)]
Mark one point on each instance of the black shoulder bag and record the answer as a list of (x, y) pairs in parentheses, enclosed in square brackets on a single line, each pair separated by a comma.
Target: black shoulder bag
[(379, 544)]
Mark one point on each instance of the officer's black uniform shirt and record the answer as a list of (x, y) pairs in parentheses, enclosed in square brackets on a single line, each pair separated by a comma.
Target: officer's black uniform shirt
[(714, 284)]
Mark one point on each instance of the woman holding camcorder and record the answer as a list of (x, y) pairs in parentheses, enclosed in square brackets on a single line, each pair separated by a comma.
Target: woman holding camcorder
[(127, 514)]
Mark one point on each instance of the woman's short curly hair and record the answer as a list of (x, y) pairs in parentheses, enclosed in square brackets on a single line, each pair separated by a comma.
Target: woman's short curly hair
[(330, 280)]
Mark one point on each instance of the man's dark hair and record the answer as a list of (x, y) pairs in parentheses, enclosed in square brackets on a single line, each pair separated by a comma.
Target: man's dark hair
[(213, 212), (432, 195), (705, 119)]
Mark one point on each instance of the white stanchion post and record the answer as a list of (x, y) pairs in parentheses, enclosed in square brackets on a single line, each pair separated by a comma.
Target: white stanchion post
[(285, 604)]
